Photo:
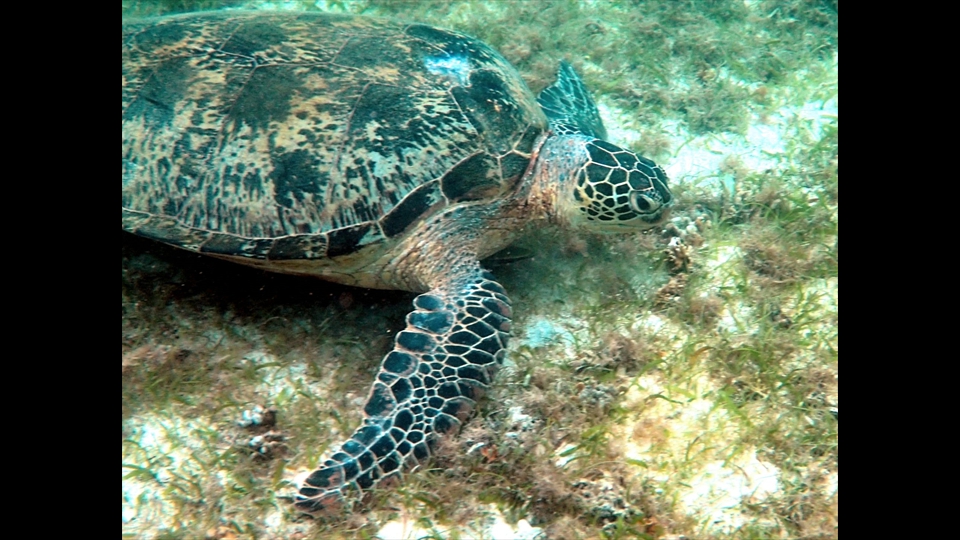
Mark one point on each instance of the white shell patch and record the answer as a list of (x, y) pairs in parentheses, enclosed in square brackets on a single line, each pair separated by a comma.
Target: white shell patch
[(453, 67)]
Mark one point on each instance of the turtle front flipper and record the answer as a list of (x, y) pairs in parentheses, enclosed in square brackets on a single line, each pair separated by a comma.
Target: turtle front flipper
[(427, 385), (569, 107)]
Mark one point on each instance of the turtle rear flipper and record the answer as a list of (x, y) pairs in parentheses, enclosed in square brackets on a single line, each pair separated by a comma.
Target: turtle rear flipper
[(427, 385), (569, 107)]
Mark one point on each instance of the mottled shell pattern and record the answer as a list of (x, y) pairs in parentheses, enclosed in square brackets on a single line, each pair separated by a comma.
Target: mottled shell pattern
[(308, 136)]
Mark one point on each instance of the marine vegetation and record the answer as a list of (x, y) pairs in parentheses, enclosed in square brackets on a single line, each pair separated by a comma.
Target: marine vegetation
[(681, 380)]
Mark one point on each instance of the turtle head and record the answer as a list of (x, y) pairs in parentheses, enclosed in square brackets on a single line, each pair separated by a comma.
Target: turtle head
[(613, 189)]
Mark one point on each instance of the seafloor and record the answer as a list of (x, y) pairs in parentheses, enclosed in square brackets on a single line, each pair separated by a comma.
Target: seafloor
[(678, 383)]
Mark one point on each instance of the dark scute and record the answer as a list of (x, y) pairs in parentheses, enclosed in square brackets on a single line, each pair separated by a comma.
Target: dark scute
[(421, 451), (605, 188), (309, 492), (415, 341), (254, 37), (163, 91), (619, 178), (479, 358), (383, 446), (470, 179), (581, 179), (640, 180), (473, 373), (350, 469), (493, 286), (646, 172), (602, 157), (427, 302), (325, 478), (390, 463), (295, 174), (400, 363), (448, 390), (415, 436), (365, 460), (497, 321), (312, 246), (224, 244), (404, 448), (403, 420), (463, 338), (345, 241), (398, 435), (387, 378), (597, 175), (436, 321), (389, 121), (365, 481), (353, 448), (266, 96), (612, 148), (661, 176), (628, 160), (361, 209), (491, 109), (436, 402), (469, 390), (367, 434), (491, 344), (477, 311), (512, 166), (401, 390), (410, 209), (381, 401), (481, 329), (458, 350), (496, 307), (648, 162), (457, 409), (445, 424), (529, 138), (454, 361)]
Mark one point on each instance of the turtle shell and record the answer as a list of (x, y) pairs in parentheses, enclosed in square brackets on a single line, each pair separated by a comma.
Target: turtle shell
[(277, 137)]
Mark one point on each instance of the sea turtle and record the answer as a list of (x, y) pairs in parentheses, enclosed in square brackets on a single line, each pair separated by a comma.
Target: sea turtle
[(372, 153)]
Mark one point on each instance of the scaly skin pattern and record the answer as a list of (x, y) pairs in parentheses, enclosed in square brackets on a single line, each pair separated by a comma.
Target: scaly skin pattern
[(371, 153), (427, 385)]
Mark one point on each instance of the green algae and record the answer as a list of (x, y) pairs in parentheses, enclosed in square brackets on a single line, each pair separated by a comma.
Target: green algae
[(672, 379)]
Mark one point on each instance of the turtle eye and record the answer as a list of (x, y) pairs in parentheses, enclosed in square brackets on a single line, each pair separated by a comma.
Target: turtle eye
[(642, 204)]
